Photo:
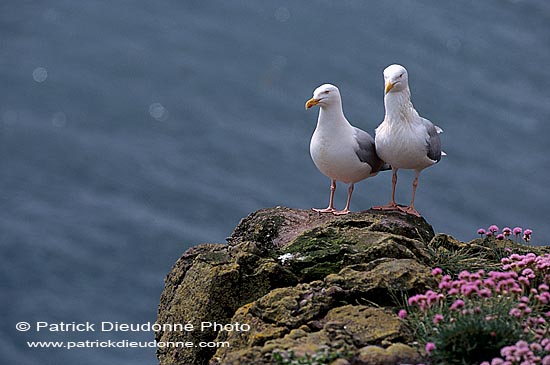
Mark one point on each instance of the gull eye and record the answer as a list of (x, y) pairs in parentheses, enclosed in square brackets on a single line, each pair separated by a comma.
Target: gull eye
[(400, 76), (326, 91)]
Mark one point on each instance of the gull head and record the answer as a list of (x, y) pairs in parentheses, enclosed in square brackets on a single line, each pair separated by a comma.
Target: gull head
[(396, 78), (324, 96)]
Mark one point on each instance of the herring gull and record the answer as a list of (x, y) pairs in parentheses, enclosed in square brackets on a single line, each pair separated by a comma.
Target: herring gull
[(404, 139), (339, 150)]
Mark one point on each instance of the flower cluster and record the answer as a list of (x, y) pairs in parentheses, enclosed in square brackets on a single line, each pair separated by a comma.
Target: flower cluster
[(483, 313), (478, 284), (523, 352), (424, 301), (533, 269), (493, 231), (539, 263)]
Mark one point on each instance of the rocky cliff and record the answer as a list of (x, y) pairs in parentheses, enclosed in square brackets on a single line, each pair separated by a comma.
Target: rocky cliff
[(294, 284)]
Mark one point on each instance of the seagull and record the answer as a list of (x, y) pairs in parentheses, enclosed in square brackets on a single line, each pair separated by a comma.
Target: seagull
[(404, 139), (339, 150)]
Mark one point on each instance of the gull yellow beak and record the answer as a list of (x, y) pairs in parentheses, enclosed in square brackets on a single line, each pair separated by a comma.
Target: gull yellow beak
[(389, 86), (311, 102)]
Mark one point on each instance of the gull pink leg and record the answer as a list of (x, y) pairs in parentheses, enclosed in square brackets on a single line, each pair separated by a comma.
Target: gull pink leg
[(410, 209), (330, 207), (346, 209), (391, 205)]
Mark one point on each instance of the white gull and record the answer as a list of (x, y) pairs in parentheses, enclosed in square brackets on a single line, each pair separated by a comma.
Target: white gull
[(404, 139), (339, 150)]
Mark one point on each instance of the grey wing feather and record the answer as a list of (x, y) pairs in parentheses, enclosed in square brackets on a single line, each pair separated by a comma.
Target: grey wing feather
[(366, 150), (434, 142)]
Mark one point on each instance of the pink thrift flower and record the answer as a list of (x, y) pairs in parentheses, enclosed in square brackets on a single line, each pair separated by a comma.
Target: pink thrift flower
[(475, 276), (489, 283), (527, 235), (535, 347), (437, 318), (481, 231), (444, 284), (507, 231), (459, 303), (468, 289), (517, 230), (414, 299), (431, 297), (528, 273), (484, 293), (437, 271), (430, 346), (500, 237), (402, 314), (493, 228)]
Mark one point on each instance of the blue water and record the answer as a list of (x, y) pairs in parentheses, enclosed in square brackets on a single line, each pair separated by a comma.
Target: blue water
[(130, 130)]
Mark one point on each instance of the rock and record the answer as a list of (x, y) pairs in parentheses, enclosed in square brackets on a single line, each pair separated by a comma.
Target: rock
[(363, 324), (208, 284), (403, 354), (396, 354), (340, 362), (373, 355), (306, 285), (381, 280)]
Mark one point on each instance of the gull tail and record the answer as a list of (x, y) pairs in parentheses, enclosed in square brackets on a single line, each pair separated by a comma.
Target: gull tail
[(439, 131)]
